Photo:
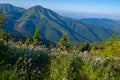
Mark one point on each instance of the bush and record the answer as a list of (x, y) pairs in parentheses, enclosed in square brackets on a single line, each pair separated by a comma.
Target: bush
[(5, 52), (34, 64), (85, 47), (3, 35), (112, 47)]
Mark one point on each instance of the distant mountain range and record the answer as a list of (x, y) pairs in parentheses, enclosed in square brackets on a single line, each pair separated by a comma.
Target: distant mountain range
[(53, 25), (103, 22)]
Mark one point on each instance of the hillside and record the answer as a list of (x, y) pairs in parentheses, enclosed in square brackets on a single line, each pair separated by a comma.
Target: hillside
[(52, 25), (8, 8), (12, 15), (106, 23)]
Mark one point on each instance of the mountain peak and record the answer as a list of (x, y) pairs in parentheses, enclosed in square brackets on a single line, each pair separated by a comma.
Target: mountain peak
[(53, 25), (36, 7), (39, 11)]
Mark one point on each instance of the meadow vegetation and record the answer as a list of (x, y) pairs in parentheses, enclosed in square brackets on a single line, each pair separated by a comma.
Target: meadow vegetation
[(20, 61), (31, 60)]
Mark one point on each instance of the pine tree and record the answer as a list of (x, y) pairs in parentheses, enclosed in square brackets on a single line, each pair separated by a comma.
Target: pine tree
[(85, 47), (63, 43), (28, 41), (37, 37), (51, 45)]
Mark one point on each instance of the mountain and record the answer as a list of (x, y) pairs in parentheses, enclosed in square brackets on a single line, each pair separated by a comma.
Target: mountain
[(12, 15), (8, 8), (103, 22), (53, 25)]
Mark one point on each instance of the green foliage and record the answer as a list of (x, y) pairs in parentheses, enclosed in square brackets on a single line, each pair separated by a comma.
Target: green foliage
[(112, 47), (3, 35), (28, 41), (28, 66), (63, 43), (97, 46), (33, 64), (2, 18), (5, 52), (90, 69), (8, 72), (51, 45), (37, 37), (59, 67), (76, 68), (85, 47)]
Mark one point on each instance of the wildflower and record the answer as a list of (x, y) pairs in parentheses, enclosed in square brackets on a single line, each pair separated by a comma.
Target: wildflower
[(29, 60), (97, 59), (39, 72), (56, 71), (72, 68), (25, 62), (64, 78), (20, 58), (107, 58), (34, 71)]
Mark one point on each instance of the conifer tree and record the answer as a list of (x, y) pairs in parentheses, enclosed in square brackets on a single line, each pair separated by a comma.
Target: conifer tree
[(51, 45), (28, 41), (37, 37), (85, 47), (63, 43)]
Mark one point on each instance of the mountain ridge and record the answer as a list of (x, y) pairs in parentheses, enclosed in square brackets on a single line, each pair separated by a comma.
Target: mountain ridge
[(8, 8), (53, 25), (104, 22)]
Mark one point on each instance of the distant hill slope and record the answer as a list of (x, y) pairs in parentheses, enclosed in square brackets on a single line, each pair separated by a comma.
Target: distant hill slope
[(8, 8), (106, 23), (53, 25), (12, 15)]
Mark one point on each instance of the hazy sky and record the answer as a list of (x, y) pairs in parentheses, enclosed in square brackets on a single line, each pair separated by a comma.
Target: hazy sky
[(75, 8)]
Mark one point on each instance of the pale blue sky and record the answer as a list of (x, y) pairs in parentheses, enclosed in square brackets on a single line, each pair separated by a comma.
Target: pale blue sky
[(75, 8)]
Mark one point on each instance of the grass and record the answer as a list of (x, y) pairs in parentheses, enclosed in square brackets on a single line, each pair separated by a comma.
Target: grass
[(38, 63)]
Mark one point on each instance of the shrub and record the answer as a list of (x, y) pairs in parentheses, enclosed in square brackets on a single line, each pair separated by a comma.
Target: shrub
[(112, 47), (5, 52)]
